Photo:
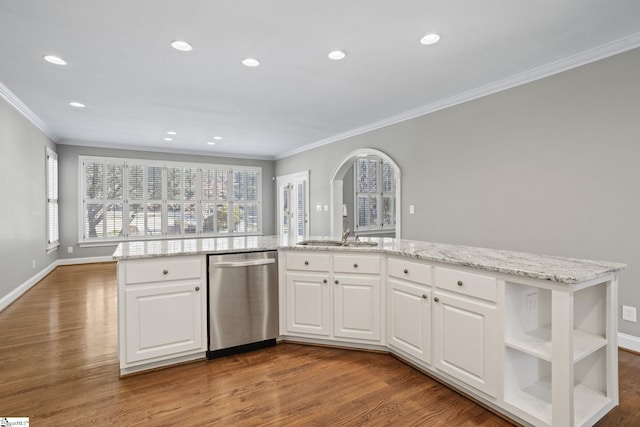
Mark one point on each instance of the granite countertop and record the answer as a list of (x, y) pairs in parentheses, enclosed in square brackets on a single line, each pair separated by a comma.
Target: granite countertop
[(544, 267)]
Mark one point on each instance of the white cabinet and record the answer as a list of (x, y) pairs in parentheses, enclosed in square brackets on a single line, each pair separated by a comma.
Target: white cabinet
[(308, 303), (308, 293), (465, 340), (466, 330), (333, 296), (163, 320), (357, 309), (409, 306), (161, 311)]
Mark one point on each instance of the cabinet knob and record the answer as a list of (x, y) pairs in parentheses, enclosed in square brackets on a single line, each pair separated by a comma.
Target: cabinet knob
[(436, 299), (459, 282), (324, 280), (197, 288), (424, 296), (165, 272), (336, 282), (355, 265), (406, 271), (306, 263)]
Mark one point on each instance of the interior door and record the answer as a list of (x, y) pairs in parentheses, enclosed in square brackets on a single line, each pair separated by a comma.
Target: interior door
[(293, 205)]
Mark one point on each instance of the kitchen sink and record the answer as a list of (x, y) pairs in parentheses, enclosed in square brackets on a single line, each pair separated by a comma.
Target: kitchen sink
[(320, 243), (336, 243)]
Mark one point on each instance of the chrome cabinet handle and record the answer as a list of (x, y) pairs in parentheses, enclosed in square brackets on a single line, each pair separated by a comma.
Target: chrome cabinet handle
[(436, 299), (165, 272), (197, 288), (460, 283)]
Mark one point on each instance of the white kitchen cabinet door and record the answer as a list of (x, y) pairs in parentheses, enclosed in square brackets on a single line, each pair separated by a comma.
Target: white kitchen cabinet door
[(409, 314), (357, 307), (466, 340), (308, 304), (163, 319)]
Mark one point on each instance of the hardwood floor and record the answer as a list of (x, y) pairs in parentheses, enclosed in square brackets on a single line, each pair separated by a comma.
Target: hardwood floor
[(59, 366)]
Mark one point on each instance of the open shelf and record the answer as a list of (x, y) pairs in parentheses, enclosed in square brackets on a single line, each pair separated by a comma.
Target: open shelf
[(587, 403), (535, 343), (529, 361), (585, 343), (538, 343), (536, 400)]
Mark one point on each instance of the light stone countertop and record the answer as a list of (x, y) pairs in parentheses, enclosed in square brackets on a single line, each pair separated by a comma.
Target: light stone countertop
[(544, 267)]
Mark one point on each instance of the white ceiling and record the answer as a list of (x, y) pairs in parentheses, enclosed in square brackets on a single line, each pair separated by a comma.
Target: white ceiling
[(136, 87)]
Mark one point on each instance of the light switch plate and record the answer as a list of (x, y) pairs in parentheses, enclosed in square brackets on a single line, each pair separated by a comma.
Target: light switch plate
[(412, 209)]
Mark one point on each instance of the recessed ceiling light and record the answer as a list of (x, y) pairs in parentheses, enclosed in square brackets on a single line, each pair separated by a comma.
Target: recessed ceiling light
[(77, 104), (337, 55), (250, 62), (217, 138), (181, 46), (211, 143), (168, 139), (430, 39), (55, 60), (170, 132)]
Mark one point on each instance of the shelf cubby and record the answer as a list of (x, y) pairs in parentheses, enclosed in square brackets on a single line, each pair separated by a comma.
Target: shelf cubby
[(528, 386), (530, 359)]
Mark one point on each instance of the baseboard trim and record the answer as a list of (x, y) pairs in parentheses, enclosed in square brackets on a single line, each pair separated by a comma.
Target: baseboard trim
[(86, 260), (13, 296), (629, 342)]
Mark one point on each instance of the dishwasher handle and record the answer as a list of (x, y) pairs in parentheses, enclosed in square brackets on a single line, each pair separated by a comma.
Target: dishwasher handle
[(249, 263)]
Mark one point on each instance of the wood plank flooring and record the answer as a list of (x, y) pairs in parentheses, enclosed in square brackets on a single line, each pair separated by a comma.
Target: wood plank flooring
[(58, 366)]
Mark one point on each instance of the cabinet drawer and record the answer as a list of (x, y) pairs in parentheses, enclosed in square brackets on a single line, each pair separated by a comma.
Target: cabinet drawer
[(410, 270), (467, 283), (166, 268), (305, 260), (356, 264)]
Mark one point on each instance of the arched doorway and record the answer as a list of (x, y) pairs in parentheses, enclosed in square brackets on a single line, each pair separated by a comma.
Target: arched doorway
[(337, 188)]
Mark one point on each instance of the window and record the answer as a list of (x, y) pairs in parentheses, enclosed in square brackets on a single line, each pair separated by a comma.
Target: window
[(126, 199), (53, 235), (375, 202)]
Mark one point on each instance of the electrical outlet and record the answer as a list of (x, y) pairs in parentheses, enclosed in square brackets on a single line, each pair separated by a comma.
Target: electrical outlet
[(70, 249), (412, 209), (629, 313), (532, 302), (34, 263)]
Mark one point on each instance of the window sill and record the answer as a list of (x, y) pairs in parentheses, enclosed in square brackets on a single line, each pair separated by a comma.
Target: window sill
[(117, 242), (52, 249)]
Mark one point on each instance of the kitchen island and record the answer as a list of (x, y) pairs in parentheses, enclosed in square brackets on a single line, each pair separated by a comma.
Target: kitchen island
[(530, 336)]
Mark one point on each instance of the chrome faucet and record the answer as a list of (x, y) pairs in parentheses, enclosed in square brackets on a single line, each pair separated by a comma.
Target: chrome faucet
[(345, 235)]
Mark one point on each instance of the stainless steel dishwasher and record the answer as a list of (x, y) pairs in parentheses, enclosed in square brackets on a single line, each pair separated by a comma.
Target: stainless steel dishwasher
[(243, 302)]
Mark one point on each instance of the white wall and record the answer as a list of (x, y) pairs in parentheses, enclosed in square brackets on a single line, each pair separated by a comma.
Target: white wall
[(550, 167), (23, 237)]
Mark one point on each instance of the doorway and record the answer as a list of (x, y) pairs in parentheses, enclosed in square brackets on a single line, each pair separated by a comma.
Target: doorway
[(293, 205)]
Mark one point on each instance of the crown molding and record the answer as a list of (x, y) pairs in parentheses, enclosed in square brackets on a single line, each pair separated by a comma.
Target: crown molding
[(20, 106), (167, 150), (583, 58)]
